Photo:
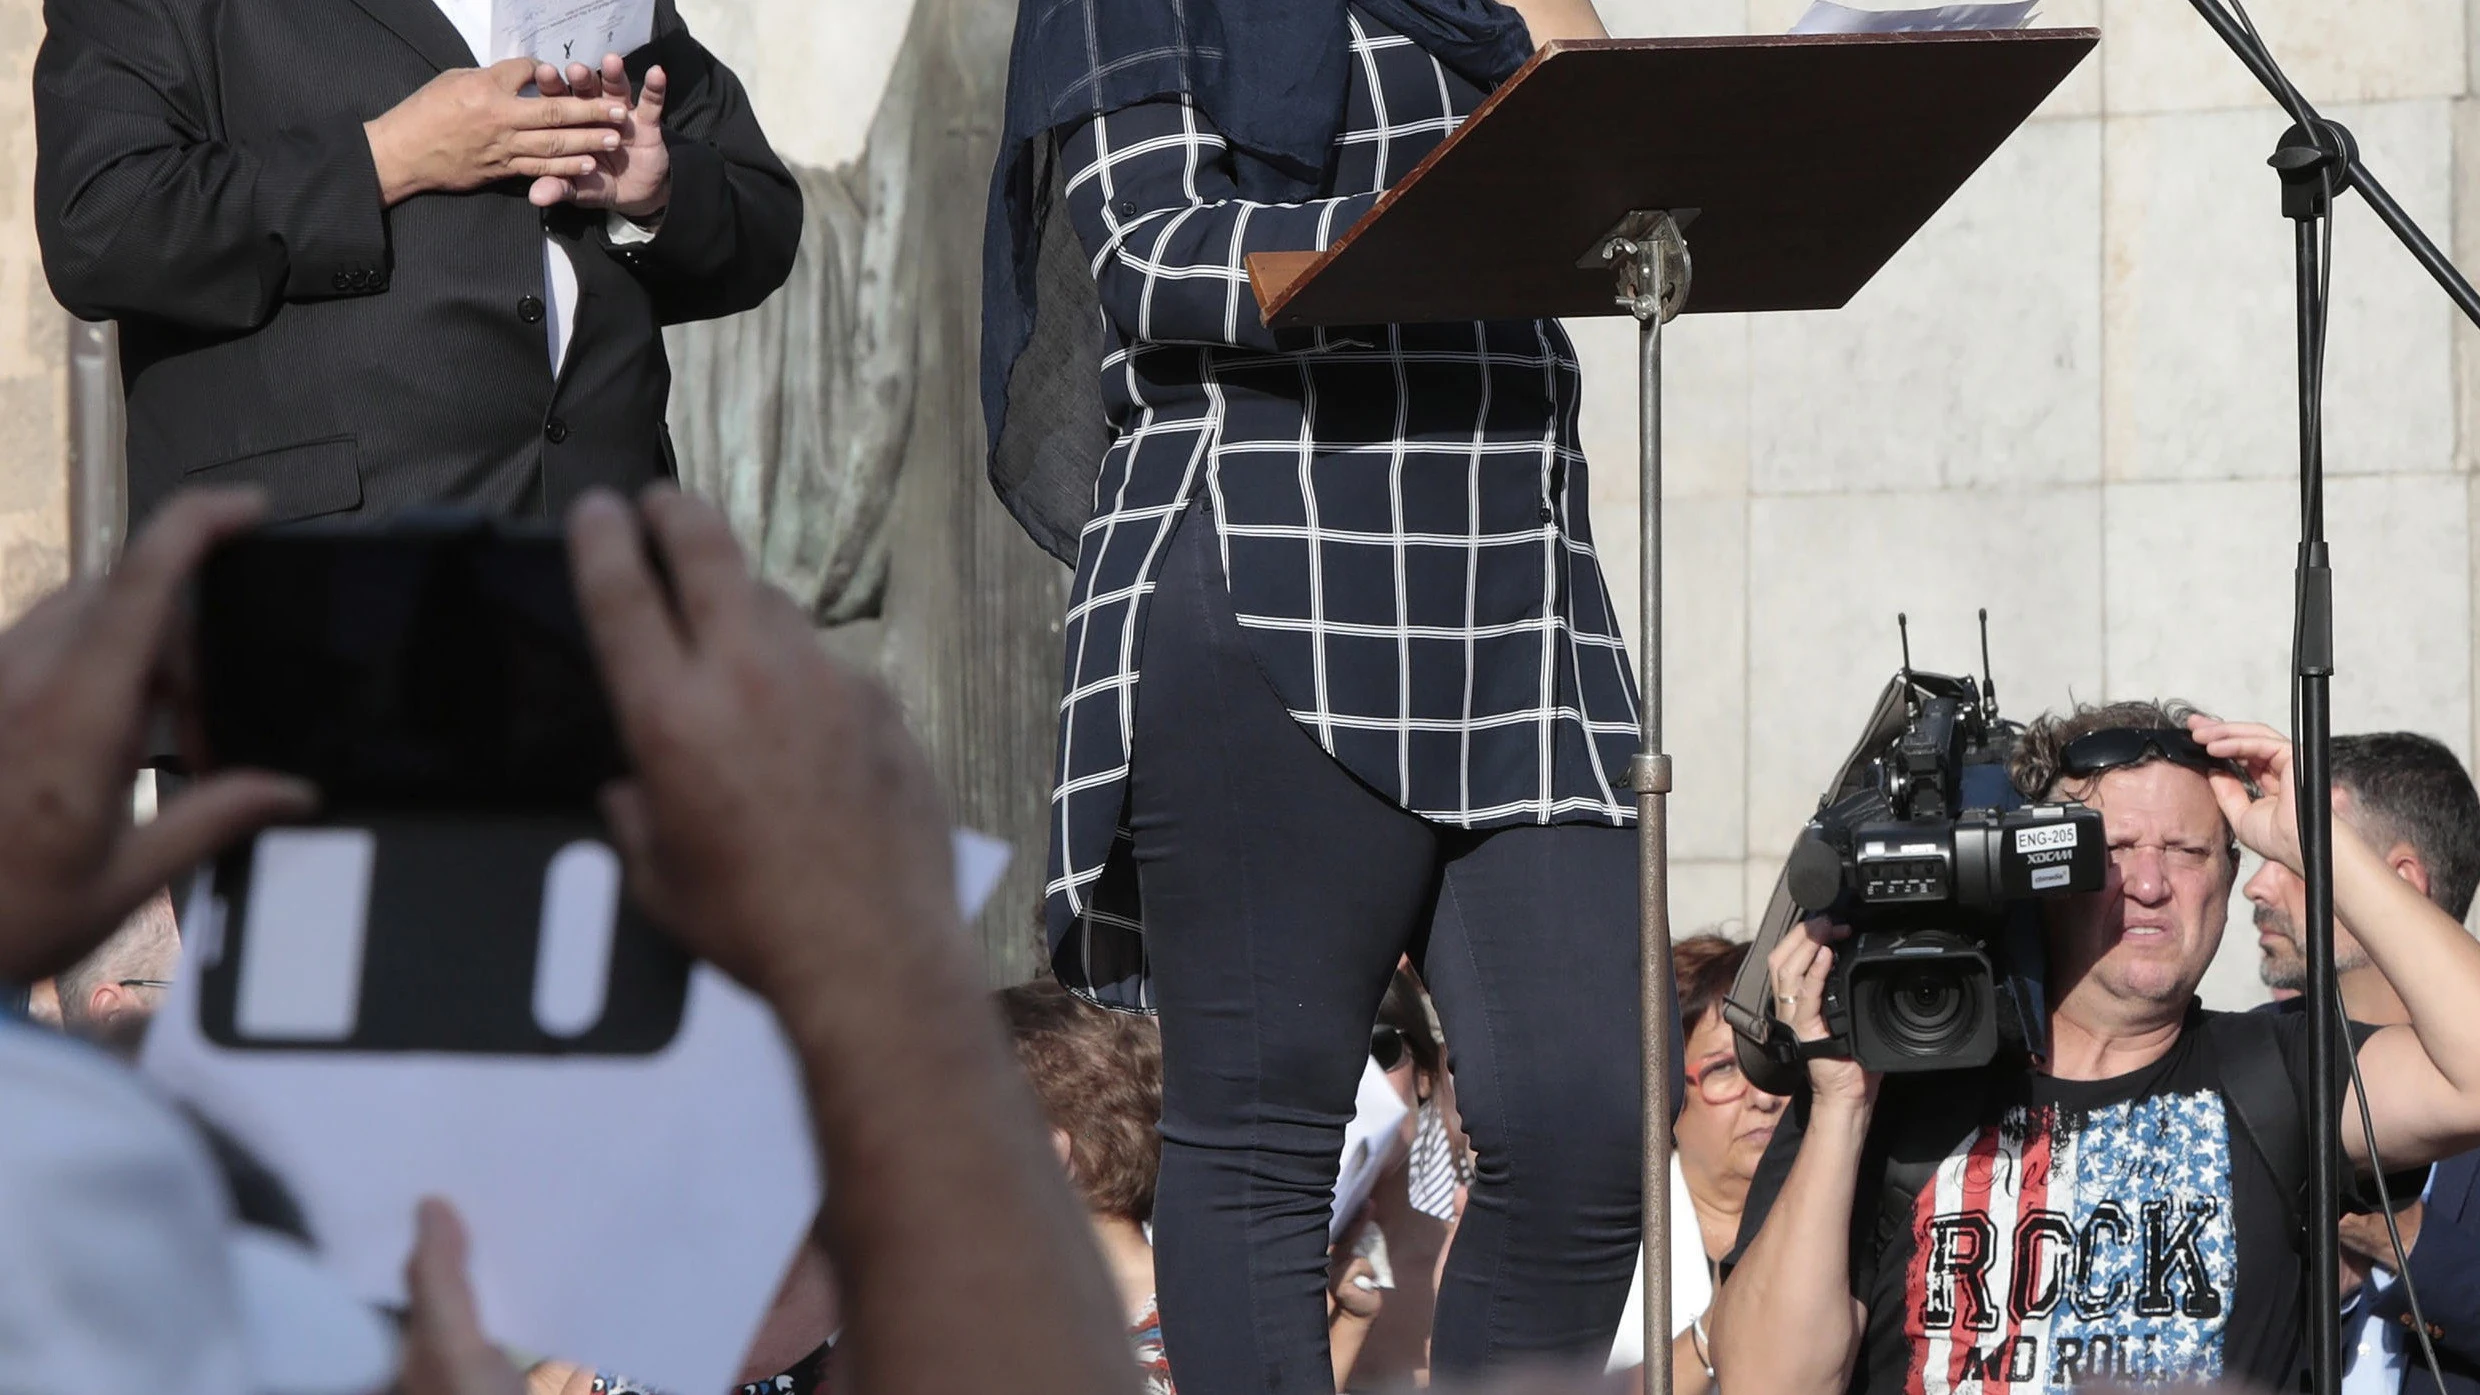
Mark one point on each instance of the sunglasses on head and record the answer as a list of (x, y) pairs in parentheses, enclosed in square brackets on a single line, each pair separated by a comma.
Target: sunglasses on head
[(2119, 747), (1386, 1046)]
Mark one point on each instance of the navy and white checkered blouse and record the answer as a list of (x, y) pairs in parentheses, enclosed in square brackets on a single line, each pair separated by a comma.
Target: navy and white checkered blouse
[(1401, 508)]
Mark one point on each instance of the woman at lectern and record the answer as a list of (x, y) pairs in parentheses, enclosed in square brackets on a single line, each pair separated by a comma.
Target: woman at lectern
[(1342, 678)]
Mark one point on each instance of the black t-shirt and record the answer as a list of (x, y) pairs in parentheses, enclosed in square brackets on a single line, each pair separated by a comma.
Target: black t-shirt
[(2119, 1230)]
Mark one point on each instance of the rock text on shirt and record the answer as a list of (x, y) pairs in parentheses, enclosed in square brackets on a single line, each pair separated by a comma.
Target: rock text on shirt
[(2059, 1247)]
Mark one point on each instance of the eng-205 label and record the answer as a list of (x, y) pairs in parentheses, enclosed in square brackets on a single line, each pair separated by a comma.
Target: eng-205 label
[(2048, 835)]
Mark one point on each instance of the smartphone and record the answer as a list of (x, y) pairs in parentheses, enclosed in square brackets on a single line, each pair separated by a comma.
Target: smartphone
[(437, 662), (499, 935), (433, 678)]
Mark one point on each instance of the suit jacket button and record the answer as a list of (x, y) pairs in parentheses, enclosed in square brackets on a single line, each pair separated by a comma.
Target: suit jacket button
[(555, 431), (344, 281), (530, 310)]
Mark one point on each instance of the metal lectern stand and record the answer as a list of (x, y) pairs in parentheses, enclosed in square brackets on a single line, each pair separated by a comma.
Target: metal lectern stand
[(1650, 256), (1803, 162)]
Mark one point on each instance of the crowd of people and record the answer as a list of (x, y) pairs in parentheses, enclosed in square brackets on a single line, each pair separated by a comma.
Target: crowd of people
[(1367, 822), (781, 822)]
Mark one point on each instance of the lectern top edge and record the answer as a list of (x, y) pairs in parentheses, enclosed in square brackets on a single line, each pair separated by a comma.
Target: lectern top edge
[(1775, 139), (2063, 33)]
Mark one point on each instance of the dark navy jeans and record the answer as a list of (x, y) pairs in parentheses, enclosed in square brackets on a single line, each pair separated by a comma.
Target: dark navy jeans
[(1279, 892)]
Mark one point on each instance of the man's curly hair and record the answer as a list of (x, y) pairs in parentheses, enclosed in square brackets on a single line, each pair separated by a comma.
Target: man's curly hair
[(2037, 765)]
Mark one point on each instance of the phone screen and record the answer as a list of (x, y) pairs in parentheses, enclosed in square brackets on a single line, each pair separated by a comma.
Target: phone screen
[(416, 666)]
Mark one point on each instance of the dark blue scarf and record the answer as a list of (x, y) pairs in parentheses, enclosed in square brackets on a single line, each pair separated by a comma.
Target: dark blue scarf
[(1271, 75)]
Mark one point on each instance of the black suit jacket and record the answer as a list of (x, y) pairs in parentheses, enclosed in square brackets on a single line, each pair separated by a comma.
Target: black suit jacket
[(203, 178), (2445, 1267)]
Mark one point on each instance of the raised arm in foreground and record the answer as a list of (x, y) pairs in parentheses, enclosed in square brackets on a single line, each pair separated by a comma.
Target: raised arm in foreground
[(782, 821)]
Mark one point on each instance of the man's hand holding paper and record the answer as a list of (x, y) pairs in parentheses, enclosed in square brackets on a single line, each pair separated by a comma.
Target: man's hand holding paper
[(632, 176), (470, 127)]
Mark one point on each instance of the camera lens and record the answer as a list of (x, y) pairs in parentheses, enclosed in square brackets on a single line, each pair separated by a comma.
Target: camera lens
[(1925, 1011)]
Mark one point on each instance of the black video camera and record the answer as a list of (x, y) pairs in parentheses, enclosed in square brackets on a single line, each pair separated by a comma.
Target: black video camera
[(1936, 862)]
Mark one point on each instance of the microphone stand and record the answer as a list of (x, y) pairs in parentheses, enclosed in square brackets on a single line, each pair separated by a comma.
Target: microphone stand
[(2317, 160)]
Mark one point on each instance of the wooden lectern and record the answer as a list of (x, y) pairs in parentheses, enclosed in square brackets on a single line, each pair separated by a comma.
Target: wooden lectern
[(1802, 163)]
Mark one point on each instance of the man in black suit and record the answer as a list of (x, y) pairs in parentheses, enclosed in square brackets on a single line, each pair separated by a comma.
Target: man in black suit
[(2413, 801), (353, 268)]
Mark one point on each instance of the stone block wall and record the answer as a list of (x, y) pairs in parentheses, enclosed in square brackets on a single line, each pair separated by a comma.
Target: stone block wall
[(2071, 401), (34, 340)]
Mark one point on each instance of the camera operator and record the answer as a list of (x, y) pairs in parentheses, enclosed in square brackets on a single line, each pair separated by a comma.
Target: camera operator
[(2105, 1215), (2414, 803)]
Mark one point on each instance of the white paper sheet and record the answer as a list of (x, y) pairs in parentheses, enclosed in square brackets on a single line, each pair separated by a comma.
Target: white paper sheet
[(1827, 17), (570, 31), (981, 861), (1373, 1142), (634, 1212)]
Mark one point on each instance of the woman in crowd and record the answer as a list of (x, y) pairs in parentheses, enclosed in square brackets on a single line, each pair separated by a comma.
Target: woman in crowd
[(1720, 1138), (1343, 677), (1098, 1078), (1415, 1205)]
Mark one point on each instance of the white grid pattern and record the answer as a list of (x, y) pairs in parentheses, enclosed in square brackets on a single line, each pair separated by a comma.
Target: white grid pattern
[(1400, 509)]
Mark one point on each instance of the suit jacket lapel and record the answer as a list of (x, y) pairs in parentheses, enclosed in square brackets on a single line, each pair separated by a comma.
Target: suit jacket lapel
[(424, 26)]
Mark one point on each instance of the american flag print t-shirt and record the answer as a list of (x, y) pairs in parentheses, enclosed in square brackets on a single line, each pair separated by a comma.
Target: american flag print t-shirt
[(2104, 1233), (2065, 1246)]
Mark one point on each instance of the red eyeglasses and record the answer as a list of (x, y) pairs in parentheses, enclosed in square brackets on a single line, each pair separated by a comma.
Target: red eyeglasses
[(1718, 1080)]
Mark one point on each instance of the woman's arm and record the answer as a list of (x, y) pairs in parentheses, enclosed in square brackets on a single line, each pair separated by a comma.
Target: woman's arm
[(1151, 191), (1786, 1321)]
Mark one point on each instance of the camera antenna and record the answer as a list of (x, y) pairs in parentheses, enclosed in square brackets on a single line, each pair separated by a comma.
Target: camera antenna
[(1911, 692), (1989, 675)]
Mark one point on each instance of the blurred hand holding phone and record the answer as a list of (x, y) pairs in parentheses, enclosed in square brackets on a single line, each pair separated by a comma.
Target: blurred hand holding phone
[(434, 680), (438, 986)]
